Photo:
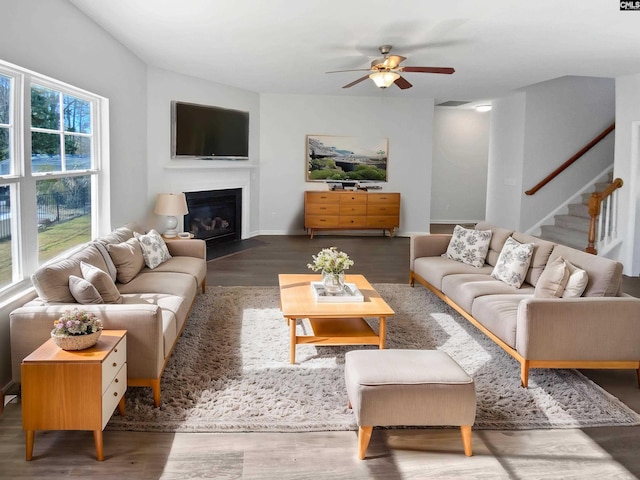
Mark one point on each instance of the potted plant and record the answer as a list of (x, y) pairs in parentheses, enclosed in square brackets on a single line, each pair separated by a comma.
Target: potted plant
[(76, 330), (332, 263)]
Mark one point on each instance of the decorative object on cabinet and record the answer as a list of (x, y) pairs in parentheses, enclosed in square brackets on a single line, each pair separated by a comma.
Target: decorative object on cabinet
[(335, 158)]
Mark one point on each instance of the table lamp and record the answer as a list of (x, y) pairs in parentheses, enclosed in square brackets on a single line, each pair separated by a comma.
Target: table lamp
[(171, 205)]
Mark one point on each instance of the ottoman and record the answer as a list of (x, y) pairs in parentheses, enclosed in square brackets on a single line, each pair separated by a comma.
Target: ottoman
[(408, 388)]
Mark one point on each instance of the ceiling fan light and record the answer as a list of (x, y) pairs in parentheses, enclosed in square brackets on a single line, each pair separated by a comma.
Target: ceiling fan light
[(384, 79), (483, 108)]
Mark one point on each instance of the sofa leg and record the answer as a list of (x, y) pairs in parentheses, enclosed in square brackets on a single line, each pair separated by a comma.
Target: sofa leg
[(638, 374), (524, 373), (466, 439), (364, 435), (412, 280), (155, 388), (204, 285)]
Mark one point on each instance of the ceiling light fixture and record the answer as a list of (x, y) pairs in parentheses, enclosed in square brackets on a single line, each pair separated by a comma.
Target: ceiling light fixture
[(483, 108), (384, 79)]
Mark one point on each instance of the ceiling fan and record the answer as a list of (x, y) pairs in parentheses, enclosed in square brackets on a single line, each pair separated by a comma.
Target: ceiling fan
[(385, 71)]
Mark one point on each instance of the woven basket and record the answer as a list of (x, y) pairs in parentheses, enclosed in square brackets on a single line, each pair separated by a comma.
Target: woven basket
[(76, 342)]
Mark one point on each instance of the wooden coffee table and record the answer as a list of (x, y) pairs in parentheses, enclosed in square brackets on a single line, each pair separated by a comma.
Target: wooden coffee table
[(332, 323)]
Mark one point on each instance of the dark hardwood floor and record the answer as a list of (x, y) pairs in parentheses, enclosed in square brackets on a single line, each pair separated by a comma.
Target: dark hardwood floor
[(603, 452)]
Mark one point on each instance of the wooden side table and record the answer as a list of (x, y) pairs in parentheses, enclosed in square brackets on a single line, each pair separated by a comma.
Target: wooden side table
[(74, 390)]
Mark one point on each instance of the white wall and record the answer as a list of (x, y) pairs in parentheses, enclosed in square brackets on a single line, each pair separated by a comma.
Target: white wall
[(627, 167), (285, 120), (53, 38), (561, 117), (460, 159), (167, 175), (506, 154), (535, 131)]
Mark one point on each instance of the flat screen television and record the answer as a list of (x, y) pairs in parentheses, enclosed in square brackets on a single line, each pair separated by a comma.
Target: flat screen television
[(202, 131)]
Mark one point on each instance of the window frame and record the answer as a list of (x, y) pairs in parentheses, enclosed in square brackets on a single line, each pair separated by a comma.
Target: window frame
[(24, 228)]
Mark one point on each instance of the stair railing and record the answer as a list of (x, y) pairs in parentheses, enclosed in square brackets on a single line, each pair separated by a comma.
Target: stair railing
[(603, 210), (570, 162)]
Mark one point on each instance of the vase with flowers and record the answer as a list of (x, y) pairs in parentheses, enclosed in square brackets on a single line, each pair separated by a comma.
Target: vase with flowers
[(332, 263), (76, 330)]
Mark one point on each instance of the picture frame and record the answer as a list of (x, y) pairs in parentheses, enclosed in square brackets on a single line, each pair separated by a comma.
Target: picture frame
[(334, 158)]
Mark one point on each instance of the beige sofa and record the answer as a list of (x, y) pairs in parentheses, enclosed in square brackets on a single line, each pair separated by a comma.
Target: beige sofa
[(151, 304), (599, 329)]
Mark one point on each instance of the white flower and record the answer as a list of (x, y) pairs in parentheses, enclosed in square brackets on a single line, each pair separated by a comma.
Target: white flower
[(330, 260)]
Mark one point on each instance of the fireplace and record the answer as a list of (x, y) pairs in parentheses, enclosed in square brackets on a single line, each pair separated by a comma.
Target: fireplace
[(215, 216)]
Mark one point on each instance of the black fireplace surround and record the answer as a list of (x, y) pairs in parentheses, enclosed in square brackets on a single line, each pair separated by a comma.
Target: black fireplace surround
[(215, 216)]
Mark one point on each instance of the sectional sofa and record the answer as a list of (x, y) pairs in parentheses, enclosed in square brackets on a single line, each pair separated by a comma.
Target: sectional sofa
[(133, 281), (562, 309)]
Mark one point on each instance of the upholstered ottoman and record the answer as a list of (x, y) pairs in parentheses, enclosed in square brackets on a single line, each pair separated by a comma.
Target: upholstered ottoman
[(410, 388)]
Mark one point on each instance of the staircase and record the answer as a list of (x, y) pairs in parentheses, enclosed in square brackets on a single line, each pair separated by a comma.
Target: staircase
[(571, 228)]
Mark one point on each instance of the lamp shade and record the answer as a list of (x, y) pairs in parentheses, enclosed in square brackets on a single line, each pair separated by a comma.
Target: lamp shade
[(384, 79), (171, 204)]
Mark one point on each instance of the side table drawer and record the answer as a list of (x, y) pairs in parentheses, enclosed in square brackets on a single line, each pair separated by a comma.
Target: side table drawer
[(113, 394), (114, 361)]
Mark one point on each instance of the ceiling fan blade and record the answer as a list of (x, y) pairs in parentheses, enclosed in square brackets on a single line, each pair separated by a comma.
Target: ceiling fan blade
[(445, 70), (355, 82), (354, 70), (403, 83)]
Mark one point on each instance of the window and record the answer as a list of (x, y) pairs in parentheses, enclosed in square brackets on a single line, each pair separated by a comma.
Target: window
[(51, 170)]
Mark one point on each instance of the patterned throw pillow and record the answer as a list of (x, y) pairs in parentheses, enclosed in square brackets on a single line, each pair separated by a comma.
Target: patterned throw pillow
[(154, 250), (513, 262), (469, 246)]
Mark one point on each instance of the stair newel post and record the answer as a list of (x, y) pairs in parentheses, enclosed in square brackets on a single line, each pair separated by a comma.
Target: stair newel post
[(594, 213)]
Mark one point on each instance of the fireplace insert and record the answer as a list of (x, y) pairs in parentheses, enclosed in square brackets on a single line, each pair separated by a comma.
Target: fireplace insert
[(215, 216)]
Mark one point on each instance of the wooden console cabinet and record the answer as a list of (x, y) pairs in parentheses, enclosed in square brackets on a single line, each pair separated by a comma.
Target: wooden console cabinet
[(342, 210), (74, 390)]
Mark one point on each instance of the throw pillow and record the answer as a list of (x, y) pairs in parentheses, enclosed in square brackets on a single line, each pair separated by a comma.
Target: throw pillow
[(111, 268), (83, 291), (102, 282), (154, 250), (577, 283), (128, 259), (553, 279), (469, 246), (513, 262)]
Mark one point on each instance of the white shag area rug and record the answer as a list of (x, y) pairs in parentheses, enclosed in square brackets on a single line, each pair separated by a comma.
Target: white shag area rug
[(230, 371)]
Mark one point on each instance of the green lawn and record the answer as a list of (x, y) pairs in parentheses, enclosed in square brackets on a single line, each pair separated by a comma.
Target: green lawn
[(51, 242)]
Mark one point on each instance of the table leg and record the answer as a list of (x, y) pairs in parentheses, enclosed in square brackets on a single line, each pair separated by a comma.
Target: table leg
[(29, 437), (121, 406), (292, 338), (97, 438), (383, 331)]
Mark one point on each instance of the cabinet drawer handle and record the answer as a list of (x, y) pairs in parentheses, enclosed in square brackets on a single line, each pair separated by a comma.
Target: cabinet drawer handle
[(115, 350), (116, 380), (115, 394), (115, 364)]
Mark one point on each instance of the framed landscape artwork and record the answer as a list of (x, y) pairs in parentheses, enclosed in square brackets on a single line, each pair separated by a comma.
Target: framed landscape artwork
[(336, 158)]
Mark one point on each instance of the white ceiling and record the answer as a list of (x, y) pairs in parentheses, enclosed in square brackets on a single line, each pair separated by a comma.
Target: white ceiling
[(286, 46)]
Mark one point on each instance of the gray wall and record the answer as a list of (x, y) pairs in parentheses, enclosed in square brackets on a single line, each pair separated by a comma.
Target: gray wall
[(460, 158)]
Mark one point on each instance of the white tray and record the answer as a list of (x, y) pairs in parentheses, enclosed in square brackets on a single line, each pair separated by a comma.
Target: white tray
[(350, 294)]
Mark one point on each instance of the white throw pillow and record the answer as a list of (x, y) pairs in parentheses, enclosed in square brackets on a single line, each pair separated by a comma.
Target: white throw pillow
[(154, 250), (513, 262), (83, 291), (469, 246), (553, 279), (577, 283)]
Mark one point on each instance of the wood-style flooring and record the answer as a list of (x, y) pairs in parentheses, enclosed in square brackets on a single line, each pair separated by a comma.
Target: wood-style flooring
[(603, 453)]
